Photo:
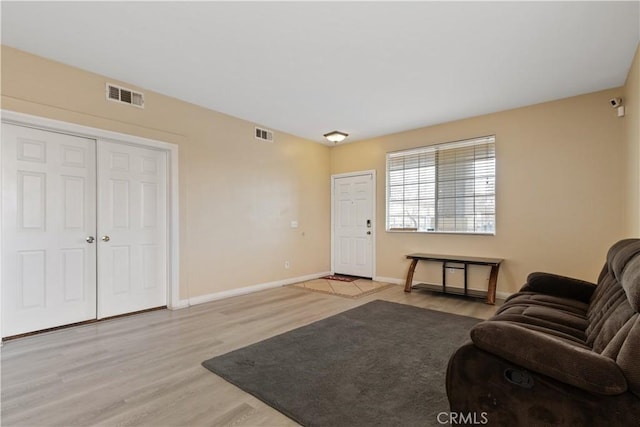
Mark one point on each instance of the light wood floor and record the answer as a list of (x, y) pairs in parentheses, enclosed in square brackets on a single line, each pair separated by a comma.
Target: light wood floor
[(145, 369)]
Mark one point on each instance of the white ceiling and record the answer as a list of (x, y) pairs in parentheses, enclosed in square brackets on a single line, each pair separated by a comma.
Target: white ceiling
[(366, 68)]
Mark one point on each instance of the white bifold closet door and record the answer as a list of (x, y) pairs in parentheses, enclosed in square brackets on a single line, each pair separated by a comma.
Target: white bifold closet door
[(132, 228), (84, 229), (48, 215)]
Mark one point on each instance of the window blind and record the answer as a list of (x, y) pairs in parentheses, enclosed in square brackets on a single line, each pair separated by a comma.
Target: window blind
[(443, 188)]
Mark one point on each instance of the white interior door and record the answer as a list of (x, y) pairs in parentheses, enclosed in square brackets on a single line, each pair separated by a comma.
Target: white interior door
[(132, 230), (353, 225), (48, 214)]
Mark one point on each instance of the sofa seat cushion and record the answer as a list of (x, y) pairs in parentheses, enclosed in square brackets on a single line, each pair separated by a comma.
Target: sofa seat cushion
[(580, 342), (545, 317), (559, 303), (561, 317)]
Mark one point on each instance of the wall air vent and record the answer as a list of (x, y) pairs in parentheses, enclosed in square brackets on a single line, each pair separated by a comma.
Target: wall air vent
[(124, 95), (264, 134)]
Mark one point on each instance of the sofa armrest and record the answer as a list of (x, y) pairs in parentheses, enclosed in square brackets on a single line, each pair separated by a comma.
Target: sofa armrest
[(550, 356), (561, 286)]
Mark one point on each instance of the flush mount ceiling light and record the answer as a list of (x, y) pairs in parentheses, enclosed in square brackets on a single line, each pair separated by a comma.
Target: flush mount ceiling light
[(336, 136)]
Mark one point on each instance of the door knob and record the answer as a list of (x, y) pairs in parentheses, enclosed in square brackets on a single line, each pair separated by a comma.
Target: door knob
[(106, 238), (90, 239), (368, 232)]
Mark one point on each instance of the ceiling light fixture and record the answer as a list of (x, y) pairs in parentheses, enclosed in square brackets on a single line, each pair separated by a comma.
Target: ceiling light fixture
[(336, 136)]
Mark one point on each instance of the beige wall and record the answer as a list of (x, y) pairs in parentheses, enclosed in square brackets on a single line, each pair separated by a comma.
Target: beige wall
[(562, 181), (237, 195), (631, 100), (560, 190)]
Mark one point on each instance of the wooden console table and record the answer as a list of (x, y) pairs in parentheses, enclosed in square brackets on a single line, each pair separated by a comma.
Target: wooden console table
[(446, 261)]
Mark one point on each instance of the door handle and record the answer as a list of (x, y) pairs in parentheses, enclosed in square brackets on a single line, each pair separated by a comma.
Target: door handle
[(106, 238), (90, 239), (368, 232)]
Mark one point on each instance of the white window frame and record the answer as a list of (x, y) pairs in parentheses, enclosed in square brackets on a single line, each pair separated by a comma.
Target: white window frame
[(431, 162)]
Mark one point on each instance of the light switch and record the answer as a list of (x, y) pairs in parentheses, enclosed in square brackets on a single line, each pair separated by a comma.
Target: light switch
[(294, 224)]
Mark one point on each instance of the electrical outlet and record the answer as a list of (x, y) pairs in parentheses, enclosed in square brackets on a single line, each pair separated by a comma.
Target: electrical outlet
[(287, 264)]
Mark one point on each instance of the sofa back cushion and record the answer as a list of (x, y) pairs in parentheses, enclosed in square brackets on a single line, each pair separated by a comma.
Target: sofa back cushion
[(604, 296), (620, 254), (630, 282), (601, 332), (628, 356), (617, 296)]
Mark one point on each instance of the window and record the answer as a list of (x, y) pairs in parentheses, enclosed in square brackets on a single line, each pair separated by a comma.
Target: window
[(446, 188)]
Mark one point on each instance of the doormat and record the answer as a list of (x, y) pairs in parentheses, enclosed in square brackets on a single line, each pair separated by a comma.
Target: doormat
[(380, 364), (341, 277), (353, 289)]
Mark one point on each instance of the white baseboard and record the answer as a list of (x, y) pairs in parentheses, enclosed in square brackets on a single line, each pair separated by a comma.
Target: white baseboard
[(248, 289), (183, 303), (499, 294), (389, 280)]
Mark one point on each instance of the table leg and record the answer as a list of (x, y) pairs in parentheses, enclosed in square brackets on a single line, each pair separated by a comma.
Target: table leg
[(493, 279), (444, 277), (466, 287), (412, 269)]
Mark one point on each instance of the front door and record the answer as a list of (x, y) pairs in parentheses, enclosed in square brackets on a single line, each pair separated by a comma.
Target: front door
[(132, 231), (353, 224), (48, 229)]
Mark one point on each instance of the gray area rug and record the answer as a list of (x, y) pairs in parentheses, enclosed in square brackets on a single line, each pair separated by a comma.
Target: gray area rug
[(380, 364)]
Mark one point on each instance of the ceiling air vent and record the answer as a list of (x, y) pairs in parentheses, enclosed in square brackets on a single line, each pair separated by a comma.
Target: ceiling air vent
[(264, 134), (124, 95)]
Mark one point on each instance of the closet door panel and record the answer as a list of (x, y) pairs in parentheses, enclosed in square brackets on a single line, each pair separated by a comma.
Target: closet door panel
[(48, 215), (132, 229)]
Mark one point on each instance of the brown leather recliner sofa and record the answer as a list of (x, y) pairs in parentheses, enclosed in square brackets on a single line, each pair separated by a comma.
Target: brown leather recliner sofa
[(561, 351)]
